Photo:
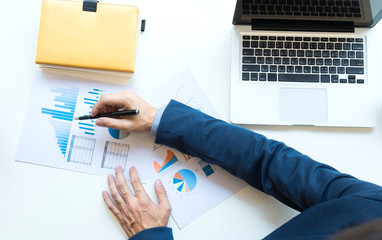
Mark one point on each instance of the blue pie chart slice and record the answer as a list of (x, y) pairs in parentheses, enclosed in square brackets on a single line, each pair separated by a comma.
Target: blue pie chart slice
[(118, 134)]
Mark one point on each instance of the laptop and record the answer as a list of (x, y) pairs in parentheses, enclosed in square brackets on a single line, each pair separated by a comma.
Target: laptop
[(303, 62)]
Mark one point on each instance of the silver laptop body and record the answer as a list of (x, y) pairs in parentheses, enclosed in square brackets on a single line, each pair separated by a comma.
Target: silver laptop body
[(288, 68)]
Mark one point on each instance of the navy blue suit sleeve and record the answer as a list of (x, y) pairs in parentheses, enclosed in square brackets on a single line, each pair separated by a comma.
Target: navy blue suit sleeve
[(158, 233), (270, 166)]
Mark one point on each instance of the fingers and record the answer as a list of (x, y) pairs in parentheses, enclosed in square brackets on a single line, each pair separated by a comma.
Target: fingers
[(115, 193), (109, 102), (116, 123), (137, 185), (162, 195), (122, 185), (110, 204)]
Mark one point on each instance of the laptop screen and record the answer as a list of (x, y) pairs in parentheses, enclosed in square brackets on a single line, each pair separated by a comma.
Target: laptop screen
[(363, 13), (376, 9)]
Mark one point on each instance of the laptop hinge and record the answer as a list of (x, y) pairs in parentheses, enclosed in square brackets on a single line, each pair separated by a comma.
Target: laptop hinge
[(305, 25)]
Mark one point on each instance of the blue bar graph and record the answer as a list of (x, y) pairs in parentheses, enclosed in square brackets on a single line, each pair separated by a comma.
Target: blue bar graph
[(62, 114), (88, 127)]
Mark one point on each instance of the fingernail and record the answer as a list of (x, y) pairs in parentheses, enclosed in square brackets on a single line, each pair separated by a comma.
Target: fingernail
[(99, 122), (158, 183)]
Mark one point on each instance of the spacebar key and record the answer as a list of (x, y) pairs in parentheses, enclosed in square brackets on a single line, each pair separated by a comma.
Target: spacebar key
[(299, 78)]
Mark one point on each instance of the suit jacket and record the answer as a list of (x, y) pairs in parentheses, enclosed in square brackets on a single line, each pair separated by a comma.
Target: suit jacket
[(329, 201)]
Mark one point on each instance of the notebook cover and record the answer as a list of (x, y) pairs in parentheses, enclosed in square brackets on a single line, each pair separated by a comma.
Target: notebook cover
[(105, 39)]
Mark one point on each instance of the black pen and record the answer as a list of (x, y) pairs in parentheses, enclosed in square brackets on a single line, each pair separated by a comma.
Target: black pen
[(111, 114)]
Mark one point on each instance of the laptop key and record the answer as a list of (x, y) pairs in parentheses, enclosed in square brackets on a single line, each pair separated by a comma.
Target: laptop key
[(279, 44), (324, 69), (249, 59), (359, 54), (300, 53), (315, 69), (336, 62), (262, 76), (299, 77), (342, 54), (360, 81), (356, 62), (334, 78), (258, 52), (251, 68), (351, 54), (346, 46), (245, 76), (246, 44), (254, 44), (275, 53), (325, 78), (248, 52), (357, 46), (281, 68), (354, 70), (273, 68), (254, 76), (264, 68), (260, 60), (272, 77), (351, 78)]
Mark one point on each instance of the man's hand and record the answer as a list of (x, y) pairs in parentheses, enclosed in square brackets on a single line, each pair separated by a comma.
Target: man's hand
[(125, 100), (136, 212)]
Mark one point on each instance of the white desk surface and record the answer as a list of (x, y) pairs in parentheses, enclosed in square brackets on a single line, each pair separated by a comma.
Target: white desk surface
[(38, 202)]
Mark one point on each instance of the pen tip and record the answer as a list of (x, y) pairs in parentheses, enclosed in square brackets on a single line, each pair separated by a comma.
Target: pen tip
[(76, 118)]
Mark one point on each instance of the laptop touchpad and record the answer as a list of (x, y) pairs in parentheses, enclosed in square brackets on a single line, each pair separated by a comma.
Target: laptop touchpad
[(303, 105)]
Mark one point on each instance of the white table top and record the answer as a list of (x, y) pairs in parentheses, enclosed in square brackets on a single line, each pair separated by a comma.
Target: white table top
[(45, 203)]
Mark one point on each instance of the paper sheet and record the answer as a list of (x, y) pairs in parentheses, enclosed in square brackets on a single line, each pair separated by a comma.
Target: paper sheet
[(51, 137)]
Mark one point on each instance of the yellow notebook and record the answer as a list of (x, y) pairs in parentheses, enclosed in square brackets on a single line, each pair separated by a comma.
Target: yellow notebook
[(74, 39)]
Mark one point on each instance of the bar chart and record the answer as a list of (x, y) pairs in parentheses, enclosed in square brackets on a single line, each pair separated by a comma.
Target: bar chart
[(62, 113), (90, 100), (169, 161)]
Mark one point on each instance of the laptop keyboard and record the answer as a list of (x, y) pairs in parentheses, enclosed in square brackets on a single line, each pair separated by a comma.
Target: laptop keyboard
[(303, 59), (315, 8)]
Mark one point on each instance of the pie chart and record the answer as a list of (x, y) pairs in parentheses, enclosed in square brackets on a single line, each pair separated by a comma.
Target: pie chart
[(184, 181), (118, 134)]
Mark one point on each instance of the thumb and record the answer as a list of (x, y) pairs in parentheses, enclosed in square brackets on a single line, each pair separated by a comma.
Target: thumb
[(162, 195), (112, 123)]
